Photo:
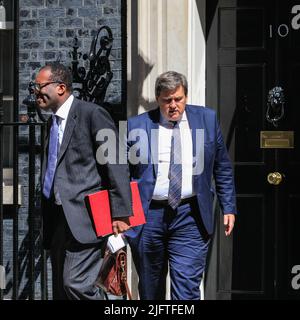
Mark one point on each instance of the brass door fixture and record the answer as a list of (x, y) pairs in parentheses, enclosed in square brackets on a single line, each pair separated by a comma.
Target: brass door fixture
[(275, 178)]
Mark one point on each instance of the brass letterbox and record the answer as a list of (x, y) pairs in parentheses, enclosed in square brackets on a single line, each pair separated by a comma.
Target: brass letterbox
[(277, 139)]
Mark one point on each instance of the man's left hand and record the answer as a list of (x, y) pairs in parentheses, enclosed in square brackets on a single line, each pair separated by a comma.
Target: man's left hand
[(120, 225), (229, 223)]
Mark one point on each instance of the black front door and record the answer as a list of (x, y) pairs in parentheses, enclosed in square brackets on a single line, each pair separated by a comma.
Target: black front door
[(252, 47)]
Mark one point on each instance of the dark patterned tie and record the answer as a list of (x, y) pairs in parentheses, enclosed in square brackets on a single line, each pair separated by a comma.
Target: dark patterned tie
[(175, 171), (52, 158)]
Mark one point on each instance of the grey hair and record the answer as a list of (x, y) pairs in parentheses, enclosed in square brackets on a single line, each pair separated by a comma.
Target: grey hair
[(170, 80)]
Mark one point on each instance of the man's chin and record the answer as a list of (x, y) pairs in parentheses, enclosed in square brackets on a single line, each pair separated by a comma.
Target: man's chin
[(174, 117), (42, 103)]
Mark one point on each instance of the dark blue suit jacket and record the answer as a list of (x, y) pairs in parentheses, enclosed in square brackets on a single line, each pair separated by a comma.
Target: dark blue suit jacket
[(216, 163)]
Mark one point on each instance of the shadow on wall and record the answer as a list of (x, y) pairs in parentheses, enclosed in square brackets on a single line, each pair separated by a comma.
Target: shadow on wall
[(141, 69)]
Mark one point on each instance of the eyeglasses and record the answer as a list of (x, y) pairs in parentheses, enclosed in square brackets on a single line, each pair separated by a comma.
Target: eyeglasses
[(39, 86)]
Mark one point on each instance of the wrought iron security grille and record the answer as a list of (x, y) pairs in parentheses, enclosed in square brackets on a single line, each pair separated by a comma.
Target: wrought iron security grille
[(24, 258), (94, 82)]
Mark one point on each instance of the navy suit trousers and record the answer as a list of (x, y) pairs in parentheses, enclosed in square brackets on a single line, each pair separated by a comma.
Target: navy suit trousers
[(176, 238)]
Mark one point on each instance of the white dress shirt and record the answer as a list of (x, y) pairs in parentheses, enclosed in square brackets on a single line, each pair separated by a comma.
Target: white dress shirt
[(161, 189), (62, 114)]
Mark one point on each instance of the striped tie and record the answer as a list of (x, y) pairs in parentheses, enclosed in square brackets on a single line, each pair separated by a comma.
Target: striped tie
[(175, 172)]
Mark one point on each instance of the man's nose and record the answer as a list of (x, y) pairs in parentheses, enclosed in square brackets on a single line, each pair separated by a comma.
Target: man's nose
[(173, 103)]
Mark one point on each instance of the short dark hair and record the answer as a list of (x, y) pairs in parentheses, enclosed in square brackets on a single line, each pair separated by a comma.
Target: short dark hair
[(60, 73), (170, 80)]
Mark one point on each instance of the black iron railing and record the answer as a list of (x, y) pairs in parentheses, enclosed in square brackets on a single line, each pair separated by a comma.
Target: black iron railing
[(25, 261)]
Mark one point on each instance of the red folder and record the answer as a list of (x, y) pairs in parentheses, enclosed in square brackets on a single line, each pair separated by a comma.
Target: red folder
[(99, 208)]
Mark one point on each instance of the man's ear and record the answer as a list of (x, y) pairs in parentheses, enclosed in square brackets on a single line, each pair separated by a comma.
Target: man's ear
[(61, 89)]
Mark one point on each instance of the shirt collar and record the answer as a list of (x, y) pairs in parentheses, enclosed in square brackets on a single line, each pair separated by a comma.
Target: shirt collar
[(64, 109)]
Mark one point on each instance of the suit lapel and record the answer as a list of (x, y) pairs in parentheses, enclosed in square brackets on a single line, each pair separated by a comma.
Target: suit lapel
[(152, 131), (70, 125), (195, 120), (193, 126), (46, 144)]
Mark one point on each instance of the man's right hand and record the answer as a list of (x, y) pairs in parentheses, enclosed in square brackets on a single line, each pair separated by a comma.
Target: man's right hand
[(120, 225)]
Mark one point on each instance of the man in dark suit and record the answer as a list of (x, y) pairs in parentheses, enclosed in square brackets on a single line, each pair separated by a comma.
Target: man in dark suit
[(174, 151), (70, 172)]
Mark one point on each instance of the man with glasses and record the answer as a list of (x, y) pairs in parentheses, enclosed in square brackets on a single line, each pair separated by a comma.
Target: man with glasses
[(70, 171), (185, 150)]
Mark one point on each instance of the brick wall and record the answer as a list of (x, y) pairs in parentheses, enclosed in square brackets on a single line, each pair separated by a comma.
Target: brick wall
[(46, 32)]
